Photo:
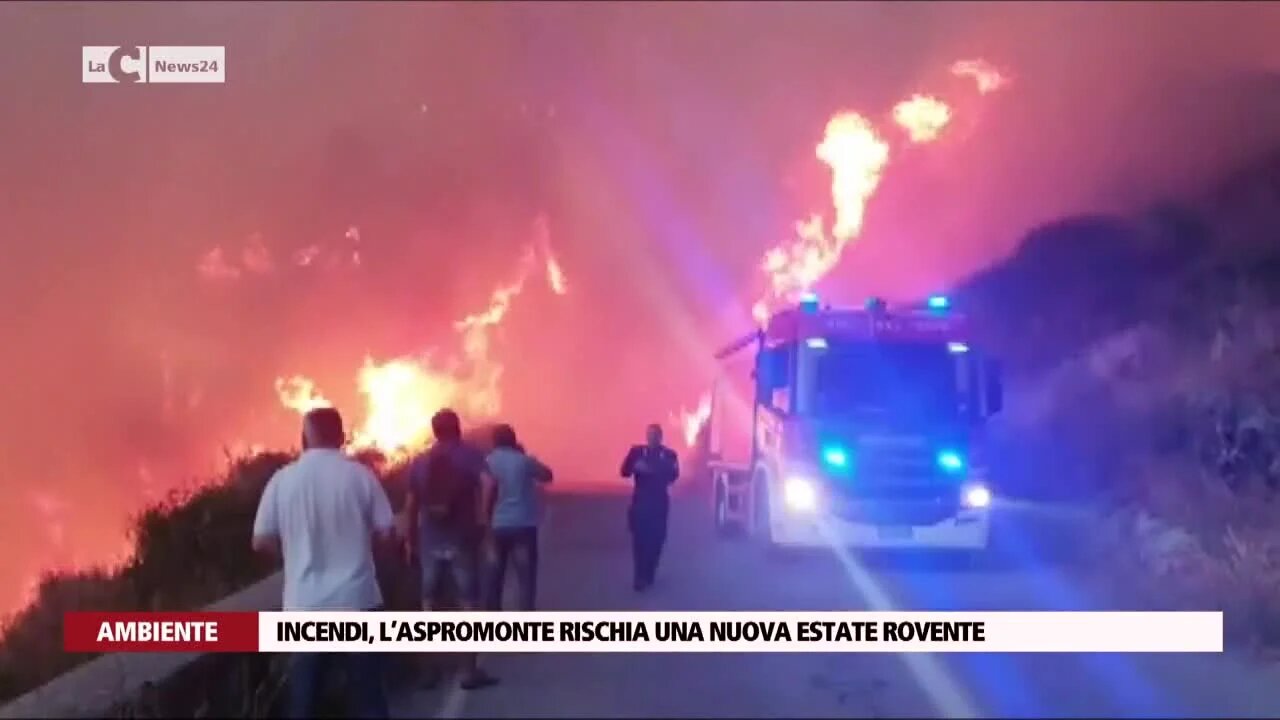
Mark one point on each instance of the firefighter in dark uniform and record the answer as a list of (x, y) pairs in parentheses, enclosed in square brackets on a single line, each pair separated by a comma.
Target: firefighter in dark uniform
[(653, 467)]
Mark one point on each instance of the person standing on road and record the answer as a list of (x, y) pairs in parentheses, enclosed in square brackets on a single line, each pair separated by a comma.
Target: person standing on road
[(322, 514), (517, 477), (653, 468), (448, 489)]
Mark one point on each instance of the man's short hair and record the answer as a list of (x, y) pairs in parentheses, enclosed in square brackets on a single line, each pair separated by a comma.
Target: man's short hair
[(505, 436), (323, 427), (446, 425)]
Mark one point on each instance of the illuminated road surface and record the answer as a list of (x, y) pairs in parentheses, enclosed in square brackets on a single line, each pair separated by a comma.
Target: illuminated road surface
[(586, 566)]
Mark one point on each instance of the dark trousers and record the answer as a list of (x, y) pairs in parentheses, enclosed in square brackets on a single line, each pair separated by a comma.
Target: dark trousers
[(648, 522), (309, 673), (519, 547)]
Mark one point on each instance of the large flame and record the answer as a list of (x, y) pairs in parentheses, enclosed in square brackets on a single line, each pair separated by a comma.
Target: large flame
[(857, 156), (690, 422), (555, 274), (401, 395), (923, 117)]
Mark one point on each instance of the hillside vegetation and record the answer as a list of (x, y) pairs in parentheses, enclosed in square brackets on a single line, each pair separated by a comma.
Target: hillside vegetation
[(189, 551), (1143, 379)]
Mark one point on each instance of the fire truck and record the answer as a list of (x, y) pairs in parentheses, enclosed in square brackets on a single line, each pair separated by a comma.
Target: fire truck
[(854, 427)]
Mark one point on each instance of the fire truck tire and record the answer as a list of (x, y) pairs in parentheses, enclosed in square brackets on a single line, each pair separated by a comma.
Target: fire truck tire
[(761, 529), (725, 527)]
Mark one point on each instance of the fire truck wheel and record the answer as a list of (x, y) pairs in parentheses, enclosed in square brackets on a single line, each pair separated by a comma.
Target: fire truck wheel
[(725, 527), (761, 531)]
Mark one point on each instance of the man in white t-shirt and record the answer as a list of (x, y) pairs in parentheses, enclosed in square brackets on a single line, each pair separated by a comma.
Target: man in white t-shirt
[(322, 514)]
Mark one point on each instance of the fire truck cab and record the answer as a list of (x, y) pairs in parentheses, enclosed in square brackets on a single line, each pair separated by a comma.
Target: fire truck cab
[(865, 429)]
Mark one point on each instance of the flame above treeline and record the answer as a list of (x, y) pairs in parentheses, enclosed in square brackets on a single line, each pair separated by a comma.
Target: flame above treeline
[(401, 394), (857, 154)]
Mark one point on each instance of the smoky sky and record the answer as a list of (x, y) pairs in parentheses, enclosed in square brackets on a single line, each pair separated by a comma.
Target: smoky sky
[(667, 145)]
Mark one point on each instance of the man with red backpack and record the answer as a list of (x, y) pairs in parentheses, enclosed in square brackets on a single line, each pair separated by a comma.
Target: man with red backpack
[(448, 485)]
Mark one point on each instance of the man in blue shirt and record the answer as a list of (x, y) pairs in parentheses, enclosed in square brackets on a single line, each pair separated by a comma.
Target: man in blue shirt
[(447, 522), (515, 516), (653, 467)]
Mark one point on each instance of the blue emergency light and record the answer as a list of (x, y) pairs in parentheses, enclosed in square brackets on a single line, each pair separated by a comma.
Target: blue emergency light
[(835, 456), (939, 302), (809, 302), (950, 461)]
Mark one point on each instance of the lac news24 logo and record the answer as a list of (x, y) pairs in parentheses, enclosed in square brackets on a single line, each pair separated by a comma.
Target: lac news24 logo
[(153, 64)]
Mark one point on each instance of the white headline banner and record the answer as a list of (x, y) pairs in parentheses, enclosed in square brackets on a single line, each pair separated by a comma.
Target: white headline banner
[(559, 632)]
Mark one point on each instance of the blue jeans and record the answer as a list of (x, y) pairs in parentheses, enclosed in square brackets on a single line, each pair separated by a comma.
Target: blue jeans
[(519, 547), (462, 565), (366, 696)]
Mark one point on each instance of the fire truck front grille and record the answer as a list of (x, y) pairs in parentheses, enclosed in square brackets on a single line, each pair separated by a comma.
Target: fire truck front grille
[(899, 511), (897, 467), (897, 483)]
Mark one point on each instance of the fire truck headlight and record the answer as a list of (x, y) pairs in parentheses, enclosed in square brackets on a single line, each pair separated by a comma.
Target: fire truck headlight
[(977, 496), (800, 494)]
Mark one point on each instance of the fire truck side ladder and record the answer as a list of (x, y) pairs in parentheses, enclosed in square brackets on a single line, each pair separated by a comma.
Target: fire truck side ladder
[(754, 338)]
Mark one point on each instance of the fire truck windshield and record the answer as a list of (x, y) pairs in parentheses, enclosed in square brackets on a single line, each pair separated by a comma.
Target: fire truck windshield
[(887, 379)]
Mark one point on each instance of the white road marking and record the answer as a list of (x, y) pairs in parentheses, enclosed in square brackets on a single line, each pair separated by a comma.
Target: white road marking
[(455, 699), (947, 696)]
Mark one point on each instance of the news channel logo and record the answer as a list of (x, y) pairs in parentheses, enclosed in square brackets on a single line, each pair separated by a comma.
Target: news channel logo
[(153, 64)]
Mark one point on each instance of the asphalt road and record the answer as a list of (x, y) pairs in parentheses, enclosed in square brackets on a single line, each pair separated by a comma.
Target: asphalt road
[(586, 566)]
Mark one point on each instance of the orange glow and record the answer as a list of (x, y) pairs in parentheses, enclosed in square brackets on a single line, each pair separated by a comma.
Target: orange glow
[(401, 395), (923, 117), (214, 266), (691, 421), (299, 394), (988, 78), (555, 274)]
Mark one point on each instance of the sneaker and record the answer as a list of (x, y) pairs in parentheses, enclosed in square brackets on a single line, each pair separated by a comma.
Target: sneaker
[(478, 680)]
